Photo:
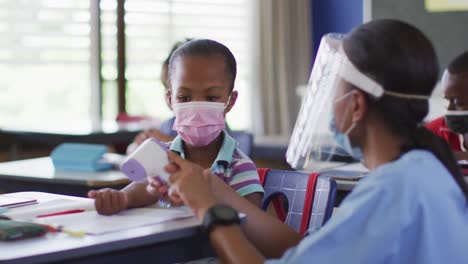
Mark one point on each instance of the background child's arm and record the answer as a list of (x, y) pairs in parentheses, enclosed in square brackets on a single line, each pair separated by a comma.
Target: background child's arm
[(145, 135)]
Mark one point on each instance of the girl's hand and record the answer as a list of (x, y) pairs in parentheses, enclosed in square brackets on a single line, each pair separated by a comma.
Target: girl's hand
[(108, 201), (156, 187), (191, 184)]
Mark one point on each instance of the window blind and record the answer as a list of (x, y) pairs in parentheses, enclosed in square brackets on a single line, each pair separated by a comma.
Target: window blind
[(44, 61), (152, 27)]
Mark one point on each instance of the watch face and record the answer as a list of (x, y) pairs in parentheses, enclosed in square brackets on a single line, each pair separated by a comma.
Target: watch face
[(220, 215), (225, 212)]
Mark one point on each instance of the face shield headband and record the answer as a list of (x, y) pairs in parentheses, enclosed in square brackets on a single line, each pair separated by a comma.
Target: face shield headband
[(312, 143)]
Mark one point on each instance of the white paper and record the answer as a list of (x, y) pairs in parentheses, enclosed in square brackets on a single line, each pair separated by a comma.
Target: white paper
[(8, 201), (53, 206), (93, 223)]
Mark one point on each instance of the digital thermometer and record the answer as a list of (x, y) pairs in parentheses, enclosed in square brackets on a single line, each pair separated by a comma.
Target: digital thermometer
[(148, 160)]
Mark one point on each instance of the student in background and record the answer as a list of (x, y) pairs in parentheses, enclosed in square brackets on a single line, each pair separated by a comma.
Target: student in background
[(202, 74), (413, 205), (453, 127), (165, 132)]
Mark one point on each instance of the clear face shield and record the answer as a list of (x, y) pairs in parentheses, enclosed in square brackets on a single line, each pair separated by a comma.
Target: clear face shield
[(318, 136), (311, 138)]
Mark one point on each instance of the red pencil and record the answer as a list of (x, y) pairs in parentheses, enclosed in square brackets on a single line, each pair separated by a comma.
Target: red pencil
[(62, 213)]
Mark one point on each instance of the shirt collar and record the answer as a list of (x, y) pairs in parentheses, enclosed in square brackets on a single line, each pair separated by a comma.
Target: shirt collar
[(224, 155)]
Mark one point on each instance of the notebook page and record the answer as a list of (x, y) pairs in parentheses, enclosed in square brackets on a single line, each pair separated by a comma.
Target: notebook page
[(8, 201), (57, 205), (93, 223)]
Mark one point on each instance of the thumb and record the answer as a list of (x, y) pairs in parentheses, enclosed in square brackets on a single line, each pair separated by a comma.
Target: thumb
[(173, 193), (92, 194)]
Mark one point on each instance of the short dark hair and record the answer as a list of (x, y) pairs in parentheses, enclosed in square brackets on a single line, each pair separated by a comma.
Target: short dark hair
[(206, 47), (459, 64), (174, 47)]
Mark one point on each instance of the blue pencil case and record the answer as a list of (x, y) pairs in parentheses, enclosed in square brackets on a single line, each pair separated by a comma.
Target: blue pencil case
[(80, 157)]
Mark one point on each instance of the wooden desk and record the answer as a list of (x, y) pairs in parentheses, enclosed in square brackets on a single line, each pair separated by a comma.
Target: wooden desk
[(40, 175), (169, 242)]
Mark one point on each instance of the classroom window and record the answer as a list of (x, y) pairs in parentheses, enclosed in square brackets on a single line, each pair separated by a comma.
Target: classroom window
[(46, 56), (44, 61), (152, 27)]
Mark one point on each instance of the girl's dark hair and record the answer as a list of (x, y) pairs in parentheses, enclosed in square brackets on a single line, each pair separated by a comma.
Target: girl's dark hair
[(206, 47), (174, 47), (400, 58)]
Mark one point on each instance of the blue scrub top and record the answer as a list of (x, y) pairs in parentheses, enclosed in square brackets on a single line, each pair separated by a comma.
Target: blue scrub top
[(407, 211)]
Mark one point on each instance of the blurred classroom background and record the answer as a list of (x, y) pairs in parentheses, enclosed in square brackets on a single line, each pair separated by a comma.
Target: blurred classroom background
[(68, 68)]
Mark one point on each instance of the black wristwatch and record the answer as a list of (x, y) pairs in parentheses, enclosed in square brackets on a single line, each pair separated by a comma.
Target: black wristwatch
[(220, 215)]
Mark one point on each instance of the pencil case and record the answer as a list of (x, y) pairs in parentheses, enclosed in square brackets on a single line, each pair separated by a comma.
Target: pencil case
[(80, 157), (14, 230)]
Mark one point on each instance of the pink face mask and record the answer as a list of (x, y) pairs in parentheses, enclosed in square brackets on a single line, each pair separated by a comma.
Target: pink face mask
[(199, 123)]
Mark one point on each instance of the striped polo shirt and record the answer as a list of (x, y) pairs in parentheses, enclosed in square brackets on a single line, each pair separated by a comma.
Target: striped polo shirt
[(231, 165)]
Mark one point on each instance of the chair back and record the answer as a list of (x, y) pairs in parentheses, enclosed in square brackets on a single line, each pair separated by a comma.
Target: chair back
[(324, 202), (311, 197), (245, 140)]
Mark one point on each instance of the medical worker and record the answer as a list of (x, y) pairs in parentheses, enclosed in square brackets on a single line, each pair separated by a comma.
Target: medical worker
[(411, 208)]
